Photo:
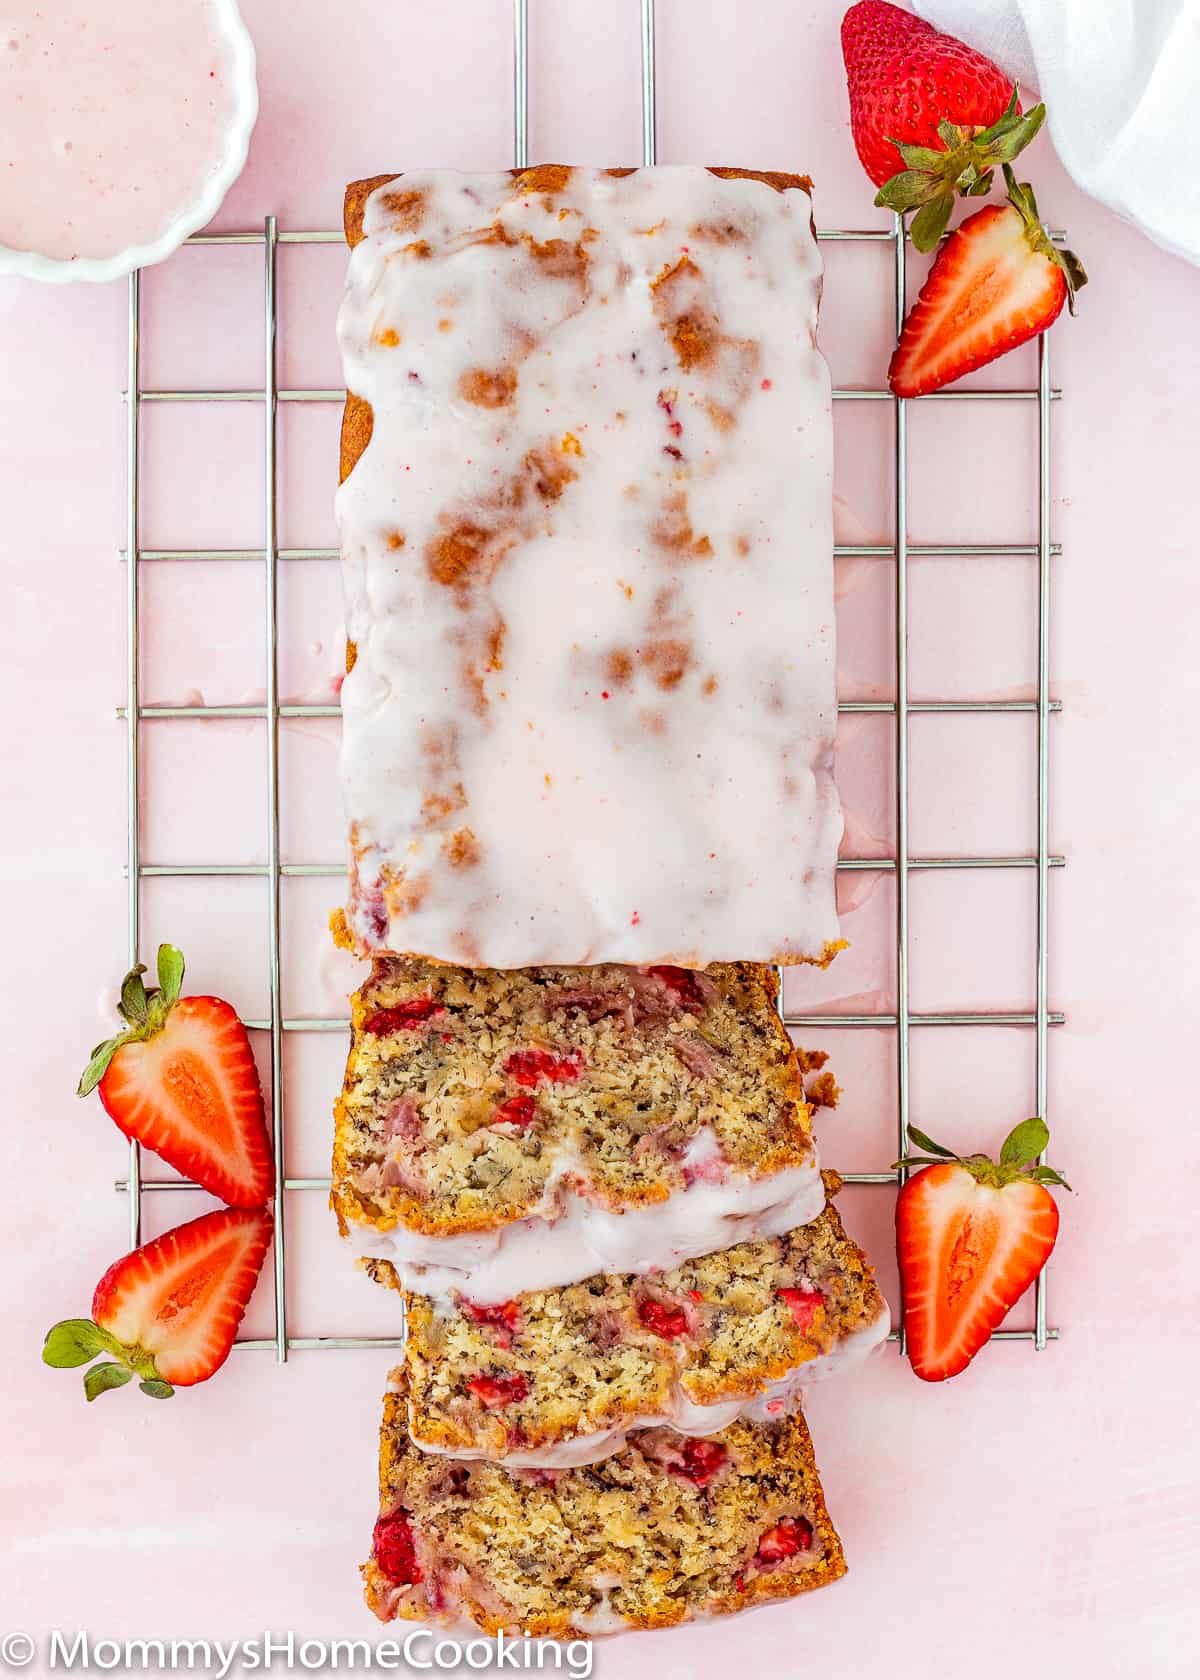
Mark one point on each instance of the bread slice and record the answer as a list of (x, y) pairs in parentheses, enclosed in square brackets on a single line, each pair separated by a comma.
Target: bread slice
[(561, 1377), (671, 1529), (507, 1130)]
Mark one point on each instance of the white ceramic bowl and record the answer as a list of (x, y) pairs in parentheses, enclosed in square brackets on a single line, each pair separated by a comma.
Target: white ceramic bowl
[(243, 88)]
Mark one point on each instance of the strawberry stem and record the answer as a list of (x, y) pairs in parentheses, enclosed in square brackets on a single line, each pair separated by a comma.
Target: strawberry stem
[(77, 1341), (1019, 1157), (144, 1010), (1020, 196), (933, 177)]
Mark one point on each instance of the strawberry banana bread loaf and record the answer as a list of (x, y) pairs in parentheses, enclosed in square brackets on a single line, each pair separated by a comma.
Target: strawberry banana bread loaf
[(562, 1377), (668, 1530), (586, 528), (502, 1131)]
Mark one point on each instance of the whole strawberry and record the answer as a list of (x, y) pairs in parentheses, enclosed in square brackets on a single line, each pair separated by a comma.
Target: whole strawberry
[(905, 78)]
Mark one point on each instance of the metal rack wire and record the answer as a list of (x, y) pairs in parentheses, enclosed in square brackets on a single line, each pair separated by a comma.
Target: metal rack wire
[(904, 1020)]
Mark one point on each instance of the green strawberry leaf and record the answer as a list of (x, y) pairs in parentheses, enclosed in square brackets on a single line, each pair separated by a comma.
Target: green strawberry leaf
[(1007, 139), (965, 167), (97, 1067), (73, 1341), (1075, 272), (156, 1388), (929, 223), (907, 190), (1048, 1175), (1024, 1143), (925, 158), (135, 1004), (170, 974), (923, 1142), (145, 1009), (101, 1378), (1021, 197)]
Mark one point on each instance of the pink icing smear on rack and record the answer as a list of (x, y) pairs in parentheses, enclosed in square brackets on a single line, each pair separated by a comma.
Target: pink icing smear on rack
[(115, 115)]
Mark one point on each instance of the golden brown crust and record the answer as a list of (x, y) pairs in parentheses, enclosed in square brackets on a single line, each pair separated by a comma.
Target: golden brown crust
[(358, 422)]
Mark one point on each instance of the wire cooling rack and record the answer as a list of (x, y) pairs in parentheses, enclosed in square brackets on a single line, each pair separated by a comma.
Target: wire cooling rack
[(904, 1021)]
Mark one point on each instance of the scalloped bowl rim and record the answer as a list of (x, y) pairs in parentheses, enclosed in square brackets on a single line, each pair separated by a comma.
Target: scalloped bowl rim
[(243, 84)]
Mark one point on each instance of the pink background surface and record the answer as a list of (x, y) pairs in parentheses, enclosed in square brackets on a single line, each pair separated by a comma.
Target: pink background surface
[(1039, 1513)]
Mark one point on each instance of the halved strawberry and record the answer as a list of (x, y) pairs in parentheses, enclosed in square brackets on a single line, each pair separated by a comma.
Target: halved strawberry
[(181, 1080), (996, 282), (971, 1236), (169, 1311)]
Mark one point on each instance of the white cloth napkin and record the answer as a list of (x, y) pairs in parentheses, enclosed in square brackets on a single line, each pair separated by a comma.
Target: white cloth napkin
[(1121, 81)]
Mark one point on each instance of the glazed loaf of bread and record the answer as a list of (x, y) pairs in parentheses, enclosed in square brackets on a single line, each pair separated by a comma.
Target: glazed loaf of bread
[(586, 526)]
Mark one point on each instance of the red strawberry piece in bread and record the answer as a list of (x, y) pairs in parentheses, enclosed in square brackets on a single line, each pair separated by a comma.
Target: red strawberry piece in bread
[(169, 1312), (930, 116), (699, 1461), (412, 1013), (504, 1317), (395, 1549), (507, 1313), (532, 1067), (664, 1319), (515, 1111), (971, 1236), (802, 1304), (682, 983), (997, 282), (789, 1536), (181, 1080), (495, 1391)]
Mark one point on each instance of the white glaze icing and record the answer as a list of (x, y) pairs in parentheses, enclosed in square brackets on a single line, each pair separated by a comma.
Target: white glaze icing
[(585, 1238), (773, 1401), (606, 734)]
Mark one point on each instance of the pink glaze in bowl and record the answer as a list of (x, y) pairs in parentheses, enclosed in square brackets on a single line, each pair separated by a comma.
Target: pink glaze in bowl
[(125, 126)]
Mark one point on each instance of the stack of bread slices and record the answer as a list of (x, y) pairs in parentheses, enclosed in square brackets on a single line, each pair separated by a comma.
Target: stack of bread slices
[(589, 715)]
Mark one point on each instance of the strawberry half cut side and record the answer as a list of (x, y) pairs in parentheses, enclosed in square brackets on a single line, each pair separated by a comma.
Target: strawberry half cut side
[(181, 1080), (169, 1312), (971, 1236), (997, 282)]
